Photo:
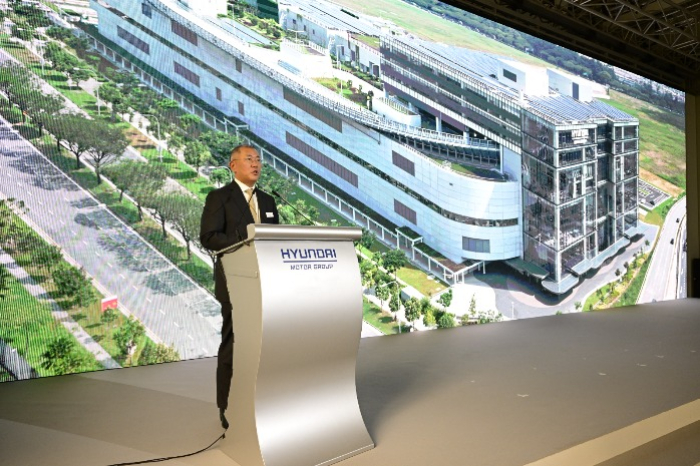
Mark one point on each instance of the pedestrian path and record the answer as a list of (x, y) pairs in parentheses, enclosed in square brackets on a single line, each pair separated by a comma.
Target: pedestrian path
[(57, 312)]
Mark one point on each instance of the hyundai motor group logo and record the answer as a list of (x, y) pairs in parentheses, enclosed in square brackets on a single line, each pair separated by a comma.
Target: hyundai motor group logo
[(309, 259)]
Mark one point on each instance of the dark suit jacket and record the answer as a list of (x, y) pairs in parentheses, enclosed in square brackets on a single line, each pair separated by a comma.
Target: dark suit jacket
[(224, 222)]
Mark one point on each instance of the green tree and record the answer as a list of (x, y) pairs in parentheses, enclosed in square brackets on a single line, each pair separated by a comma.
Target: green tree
[(156, 354), (196, 154), (445, 299), (383, 293), (446, 320), (429, 317), (368, 239), (23, 32), (110, 92), (412, 308), (301, 214), (185, 214), (270, 181), (220, 176), (62, 357), (68, 279), (395, 303), (150, 181), (367, 273), (47, 257), (160, 207), (472, 305), (127, 335), (109, 316), (189, 123), (107, 146), (4, 282), (220, 145), (76, 131), (394, 260)]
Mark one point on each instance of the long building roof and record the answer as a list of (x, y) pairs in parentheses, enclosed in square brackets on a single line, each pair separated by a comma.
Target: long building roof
[(332, 16), (562, 109), (485, 66)]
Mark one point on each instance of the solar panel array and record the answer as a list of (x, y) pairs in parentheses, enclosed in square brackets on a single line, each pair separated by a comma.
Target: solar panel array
[(562, 109)]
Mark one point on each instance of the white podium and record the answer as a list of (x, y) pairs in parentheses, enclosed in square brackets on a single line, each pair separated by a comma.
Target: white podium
[(297, 319)]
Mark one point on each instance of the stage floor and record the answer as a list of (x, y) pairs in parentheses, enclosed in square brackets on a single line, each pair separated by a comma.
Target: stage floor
[(508, 394)]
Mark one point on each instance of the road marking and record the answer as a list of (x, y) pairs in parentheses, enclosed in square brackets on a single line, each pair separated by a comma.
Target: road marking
[(161, 311), (73, 233), (122, 277), (98, 254), (62, 222), (110, 265), (51, 213), (149, 300), (39, 202), (205, 350), (135, 287), (176, 324), (85, 243), (190, 337)]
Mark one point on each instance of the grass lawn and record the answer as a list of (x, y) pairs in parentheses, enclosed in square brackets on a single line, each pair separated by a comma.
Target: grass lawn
[(420, 281), (27, 325), (87, 316), (431, 27), (382, 321), (658, 215), (661, 138)]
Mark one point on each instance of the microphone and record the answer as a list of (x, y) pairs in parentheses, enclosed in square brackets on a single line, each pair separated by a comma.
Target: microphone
[(294, 208)]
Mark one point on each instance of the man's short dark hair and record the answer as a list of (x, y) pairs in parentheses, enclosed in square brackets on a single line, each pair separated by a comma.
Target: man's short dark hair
[(239, 147)]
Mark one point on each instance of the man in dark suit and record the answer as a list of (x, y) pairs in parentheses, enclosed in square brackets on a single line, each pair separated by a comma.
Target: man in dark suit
[(227, 213)]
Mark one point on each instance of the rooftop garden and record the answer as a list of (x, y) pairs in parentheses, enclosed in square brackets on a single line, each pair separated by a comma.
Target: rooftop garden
[(371, 41), (346, 89)]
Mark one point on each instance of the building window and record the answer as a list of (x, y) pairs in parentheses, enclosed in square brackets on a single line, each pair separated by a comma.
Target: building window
[(476, 245), (241, 108), (404, 211), (186, 73), (133, 40), (183, 32), (403, 163), (510, 75), (147, 10), (239, 65), (323, 160), (218, 94)]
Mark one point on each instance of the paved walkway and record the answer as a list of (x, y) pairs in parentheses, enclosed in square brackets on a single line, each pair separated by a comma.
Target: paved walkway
[(57, 311)]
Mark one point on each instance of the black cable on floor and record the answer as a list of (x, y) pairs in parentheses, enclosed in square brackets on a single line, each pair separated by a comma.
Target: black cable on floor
[(158, 460)]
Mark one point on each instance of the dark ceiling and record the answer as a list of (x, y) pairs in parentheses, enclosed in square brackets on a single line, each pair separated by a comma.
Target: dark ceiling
[(657, 39)]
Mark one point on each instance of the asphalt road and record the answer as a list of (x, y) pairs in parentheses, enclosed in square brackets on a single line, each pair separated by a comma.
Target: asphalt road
[(662, 277), (170, 305)]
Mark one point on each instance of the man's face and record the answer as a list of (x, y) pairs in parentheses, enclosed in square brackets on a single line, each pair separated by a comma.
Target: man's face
[(246, 166)]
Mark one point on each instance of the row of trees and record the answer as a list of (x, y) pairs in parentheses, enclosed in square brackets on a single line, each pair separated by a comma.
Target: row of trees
[(379, 274), (97, 140)]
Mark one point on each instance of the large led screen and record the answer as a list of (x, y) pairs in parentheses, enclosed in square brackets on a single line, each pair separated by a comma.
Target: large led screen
[(495, 176)]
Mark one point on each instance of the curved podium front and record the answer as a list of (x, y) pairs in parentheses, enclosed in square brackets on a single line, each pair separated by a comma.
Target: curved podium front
[(297, 319)]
